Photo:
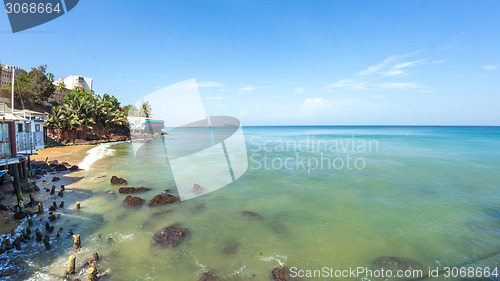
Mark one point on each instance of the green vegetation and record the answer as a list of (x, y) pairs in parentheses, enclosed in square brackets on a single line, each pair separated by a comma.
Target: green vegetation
[(32, 89), (84, 111)]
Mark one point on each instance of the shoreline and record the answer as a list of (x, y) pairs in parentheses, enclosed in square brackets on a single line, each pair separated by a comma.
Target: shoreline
[(73, 154)]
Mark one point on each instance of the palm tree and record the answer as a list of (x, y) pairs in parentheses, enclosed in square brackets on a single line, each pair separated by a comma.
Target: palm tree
[(60, 87), (145, 110)]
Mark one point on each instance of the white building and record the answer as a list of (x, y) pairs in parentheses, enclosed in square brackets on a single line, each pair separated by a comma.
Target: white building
[(71, 82)]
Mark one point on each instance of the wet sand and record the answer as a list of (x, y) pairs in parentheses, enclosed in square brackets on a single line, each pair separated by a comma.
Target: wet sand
[(72, 154)]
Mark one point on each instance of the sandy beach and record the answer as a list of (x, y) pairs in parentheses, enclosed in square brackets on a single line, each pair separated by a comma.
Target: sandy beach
[(70, 154)]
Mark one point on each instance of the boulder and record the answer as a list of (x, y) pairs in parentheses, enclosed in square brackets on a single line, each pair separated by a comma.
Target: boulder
[(170, 236), (162, 199), (21, 215), (281, 274), (116, 180), (54, 179), (74, 168), (252, 215), (60, 167), (127, 190), (208, 276), (197, 189), (398, 263), (133, 201)]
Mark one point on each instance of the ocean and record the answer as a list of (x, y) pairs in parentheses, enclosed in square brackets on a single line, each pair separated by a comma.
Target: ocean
[(337, 197)]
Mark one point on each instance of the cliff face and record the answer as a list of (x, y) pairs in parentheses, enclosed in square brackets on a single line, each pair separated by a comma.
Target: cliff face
[(84, 137)]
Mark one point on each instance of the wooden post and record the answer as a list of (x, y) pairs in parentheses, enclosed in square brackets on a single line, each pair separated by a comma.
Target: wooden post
[(77, 244), (38, 235), (71, 265), (40, 208), (46, 242), (95, 257), (92, 273), (78, 205), (53, 190), (17, 181), (62, 187)]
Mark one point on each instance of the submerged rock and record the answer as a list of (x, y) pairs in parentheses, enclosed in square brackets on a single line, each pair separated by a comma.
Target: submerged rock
[(399, 263), (162, 199), (281, 274), (116, 180), (127, 190), (133, 201), (252, 215), (208, 276), (197, 189), (170, 236), (54, 179), (230, 249)]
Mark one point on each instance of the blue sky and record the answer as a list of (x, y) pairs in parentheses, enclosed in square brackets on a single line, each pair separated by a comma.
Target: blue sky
[(284, 62)]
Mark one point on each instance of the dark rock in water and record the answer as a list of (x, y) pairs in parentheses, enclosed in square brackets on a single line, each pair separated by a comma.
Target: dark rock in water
[(208, 276), (127, 190), (197, 189), (133, 201), (281, 274), (170, 236), (398, 263), (21, 215), (116, 180), (74, 168), (198, 208), (230, 249), (54, 179), (110, 240), (99, 237), (252, 215), (161, 213), (162, 199), (53, 163), (3, 207), (60, 168)]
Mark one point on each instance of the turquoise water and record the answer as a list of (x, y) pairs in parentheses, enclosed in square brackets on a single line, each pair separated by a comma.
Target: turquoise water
[(426, 193)]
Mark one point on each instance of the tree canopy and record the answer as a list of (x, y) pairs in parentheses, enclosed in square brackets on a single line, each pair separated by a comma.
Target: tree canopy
[(85, 110)]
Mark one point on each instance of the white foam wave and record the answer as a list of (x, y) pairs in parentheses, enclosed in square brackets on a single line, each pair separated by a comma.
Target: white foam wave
[(95, 154)]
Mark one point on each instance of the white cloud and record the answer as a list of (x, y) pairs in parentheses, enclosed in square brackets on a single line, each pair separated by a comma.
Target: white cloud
[(299, 90), (349, 84), (409, 64), (394, 72), (398, 86), (379, 76), (490, 67), (246, 88), (210, 84), (214, 98)]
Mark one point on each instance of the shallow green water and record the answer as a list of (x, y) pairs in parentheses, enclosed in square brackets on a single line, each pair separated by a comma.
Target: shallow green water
[(428, 193)]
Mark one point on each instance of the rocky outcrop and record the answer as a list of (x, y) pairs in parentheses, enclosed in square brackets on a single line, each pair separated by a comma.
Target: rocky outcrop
[(162, 199), (197, 189), (170, 236), (129, 190), (281, 274), (209, 276), (133, 201), (117, 181), (398, 263)]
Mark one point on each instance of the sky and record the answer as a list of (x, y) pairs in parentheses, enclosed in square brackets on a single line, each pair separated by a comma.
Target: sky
[(284, 62)]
